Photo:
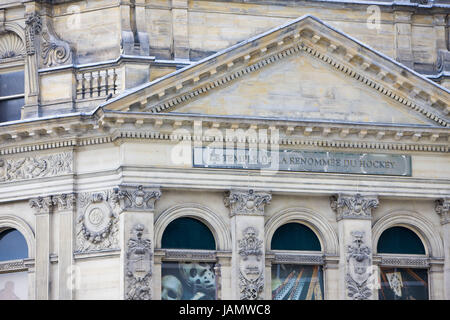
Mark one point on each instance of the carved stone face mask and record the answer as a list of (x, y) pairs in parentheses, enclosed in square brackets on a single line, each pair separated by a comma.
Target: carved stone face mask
[(171, 288), (198, 275)]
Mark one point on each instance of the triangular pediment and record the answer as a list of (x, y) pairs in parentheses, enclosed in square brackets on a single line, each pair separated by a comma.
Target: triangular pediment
[(304, 70)]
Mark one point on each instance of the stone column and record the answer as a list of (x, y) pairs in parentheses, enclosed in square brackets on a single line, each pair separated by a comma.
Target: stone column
[(354, 219), (42, 207), (136, 240), (443, 208), (65, 208), (247, 233), (403, 38)]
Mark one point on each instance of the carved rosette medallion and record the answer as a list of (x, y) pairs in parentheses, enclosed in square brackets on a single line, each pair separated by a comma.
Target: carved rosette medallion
[(138, 266), (359, 264), (246, 202), (251, 278), (97, 221), (15, 169), (442, 207), (353, 207), (137, 198)]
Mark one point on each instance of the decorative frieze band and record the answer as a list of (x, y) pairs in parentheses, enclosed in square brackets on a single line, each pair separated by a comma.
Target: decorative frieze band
[(189, 255), (405, 262), (353, 206), (12, 266), (442, 207), (137, 198), (246, 202), (298, 259), (15, 169)]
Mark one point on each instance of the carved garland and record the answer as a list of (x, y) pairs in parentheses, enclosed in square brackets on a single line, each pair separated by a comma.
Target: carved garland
[(97, 223), (33, 27)]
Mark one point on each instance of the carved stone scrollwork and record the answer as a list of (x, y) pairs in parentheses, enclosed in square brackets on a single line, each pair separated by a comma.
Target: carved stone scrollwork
[(33, 28), (97, 221), (359, 263), (251, 278), (354, 207), (54, 51), (137, 198), (36, 167), (41, 205), (442, 207), (247, 202), (138, 266), (64, 201)]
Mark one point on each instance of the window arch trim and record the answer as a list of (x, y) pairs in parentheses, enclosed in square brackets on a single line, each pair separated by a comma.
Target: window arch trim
[(212, 220), (9, 221)]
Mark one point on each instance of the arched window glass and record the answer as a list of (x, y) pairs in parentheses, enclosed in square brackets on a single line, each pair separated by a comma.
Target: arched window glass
[(12, 245), (295, 236), (188, 233), (401, 283), (296, 281), (13, 277), (188, 280), (400, 240)]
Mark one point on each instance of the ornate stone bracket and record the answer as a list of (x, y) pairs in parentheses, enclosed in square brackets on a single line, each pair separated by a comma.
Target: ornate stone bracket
[(353, 206), (140, 198), (359, 264), (251, 272), (442, 207), (246, 202), (54, 51), (138, 266)]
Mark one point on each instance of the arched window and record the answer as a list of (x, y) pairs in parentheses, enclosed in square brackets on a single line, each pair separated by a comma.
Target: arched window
[(12, 76), (400, 244), (188, 233), (188, 272), (297, 273), (13, 275)]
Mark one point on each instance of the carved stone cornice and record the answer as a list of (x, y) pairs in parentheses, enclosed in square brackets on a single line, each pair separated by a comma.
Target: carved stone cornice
[(64, 202), (353, 206), (442, 207), (41, 205), (246, 202), (137, 198)]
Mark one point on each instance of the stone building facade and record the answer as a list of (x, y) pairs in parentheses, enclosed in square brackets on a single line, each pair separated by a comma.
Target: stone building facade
[(209, 149)]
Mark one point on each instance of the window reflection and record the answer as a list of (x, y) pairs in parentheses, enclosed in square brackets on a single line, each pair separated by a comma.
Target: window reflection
[(403, 284)]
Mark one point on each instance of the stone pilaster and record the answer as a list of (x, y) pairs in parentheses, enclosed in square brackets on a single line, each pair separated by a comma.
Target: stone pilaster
[(42, 208), (64, 205), (403, 38), (180, 29), (354, 216), (248, 253), (137, 205), (443, 209)]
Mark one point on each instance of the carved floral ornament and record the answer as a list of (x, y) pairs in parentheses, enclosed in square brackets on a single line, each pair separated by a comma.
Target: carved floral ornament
[(442, 207), (32, 167), (246, 202), (33, 27), (43, 205), (137, 198), (353, 206), (138, 265), (359, 266), (54, 51), (251, 278)]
